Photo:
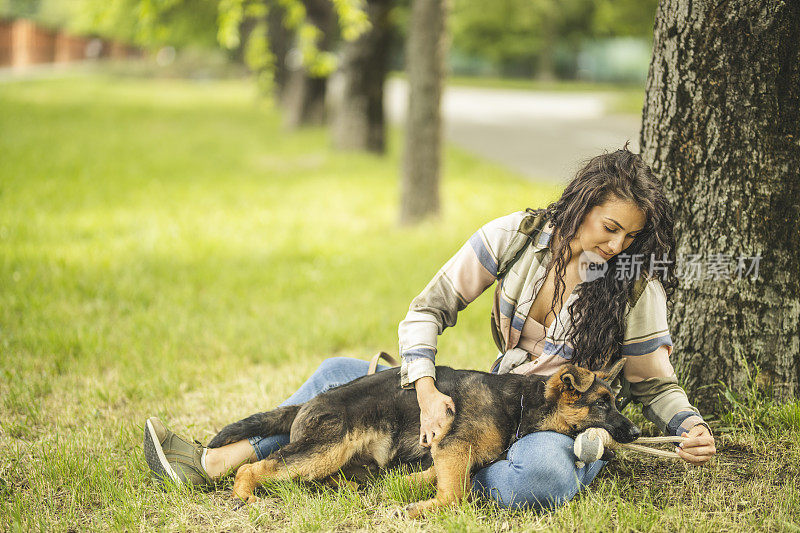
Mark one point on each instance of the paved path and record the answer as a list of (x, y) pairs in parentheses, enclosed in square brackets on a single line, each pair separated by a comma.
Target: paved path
[(542, 135)]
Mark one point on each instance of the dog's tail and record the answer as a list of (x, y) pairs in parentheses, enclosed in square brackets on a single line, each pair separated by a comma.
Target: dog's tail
[(275, 422)]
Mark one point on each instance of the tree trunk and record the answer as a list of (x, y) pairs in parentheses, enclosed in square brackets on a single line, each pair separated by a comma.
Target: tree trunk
[(304, 100), (425, 54), (358, 122), (304, 95), (721, 126), (245, 29), (280, 41), (546, 69)]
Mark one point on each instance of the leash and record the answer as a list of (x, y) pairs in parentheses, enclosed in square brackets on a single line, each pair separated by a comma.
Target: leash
[(373, 363), (590, 445), (521, 410)]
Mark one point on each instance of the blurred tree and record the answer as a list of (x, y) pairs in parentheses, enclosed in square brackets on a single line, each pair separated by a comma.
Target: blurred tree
[(358, 120), (520, 36), (304, 95), (721, 126), (523, 37), (280, 39), (244, 27), (309, 60), (426, 48), (147, 23), (623, 18), (178, 23)]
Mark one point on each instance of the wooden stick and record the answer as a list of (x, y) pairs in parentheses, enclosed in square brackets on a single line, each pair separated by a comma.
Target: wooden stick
[(651, 451), (607, 441), (656, 440)]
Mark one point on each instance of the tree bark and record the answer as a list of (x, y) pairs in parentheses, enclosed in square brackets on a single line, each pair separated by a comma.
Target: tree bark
[(304, 95), (358, 121), (721, 126), (425, 54)]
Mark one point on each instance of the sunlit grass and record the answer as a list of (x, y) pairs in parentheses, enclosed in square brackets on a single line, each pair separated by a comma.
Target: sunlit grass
[(166, 249)]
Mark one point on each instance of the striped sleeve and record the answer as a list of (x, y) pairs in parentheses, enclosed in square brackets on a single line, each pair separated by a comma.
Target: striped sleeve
[(664, 403), (462, 279), (648, 345), (646, 327)]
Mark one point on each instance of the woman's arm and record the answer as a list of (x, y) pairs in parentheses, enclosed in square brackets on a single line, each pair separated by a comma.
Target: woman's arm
[(647, 346), (654, 385), (463, 278)]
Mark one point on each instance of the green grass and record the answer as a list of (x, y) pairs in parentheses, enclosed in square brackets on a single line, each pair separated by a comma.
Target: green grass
[(166, 249)]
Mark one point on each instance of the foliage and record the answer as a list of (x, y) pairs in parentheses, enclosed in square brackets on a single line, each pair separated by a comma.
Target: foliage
[(524, 33), (178, 22), (623, 18), (513, 30), (353, 21), (19, 8), (203, 23), (259, 58), (516, 28), (515, 35), (114, 19), (149, 23)]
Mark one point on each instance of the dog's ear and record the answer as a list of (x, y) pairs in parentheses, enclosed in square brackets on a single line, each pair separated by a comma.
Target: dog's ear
[(610, 372), (577, 378)]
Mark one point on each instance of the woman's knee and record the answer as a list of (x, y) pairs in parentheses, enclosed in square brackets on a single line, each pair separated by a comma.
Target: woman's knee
[(333, 364), (332, 372), (335, 371), (537, 474), (548, 484), (338, 365)]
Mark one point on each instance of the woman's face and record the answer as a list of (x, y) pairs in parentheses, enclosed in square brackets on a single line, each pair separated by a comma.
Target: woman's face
[(608, 228)]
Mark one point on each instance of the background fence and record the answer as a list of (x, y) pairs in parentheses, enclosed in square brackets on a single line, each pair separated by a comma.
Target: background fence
[(24, 43)]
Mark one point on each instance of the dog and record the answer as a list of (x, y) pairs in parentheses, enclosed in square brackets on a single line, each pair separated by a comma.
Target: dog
[(371, 420)]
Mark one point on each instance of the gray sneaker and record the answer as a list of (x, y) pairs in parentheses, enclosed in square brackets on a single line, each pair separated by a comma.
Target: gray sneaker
[(171, 457)]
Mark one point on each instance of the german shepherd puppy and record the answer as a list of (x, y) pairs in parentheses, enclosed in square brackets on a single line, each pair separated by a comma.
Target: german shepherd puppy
[(372, 420)]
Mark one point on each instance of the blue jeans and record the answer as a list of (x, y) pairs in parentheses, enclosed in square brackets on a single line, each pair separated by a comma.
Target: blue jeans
[(539, 471)]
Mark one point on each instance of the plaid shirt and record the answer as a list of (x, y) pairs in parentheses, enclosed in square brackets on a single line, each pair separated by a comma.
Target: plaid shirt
[(475, 267)]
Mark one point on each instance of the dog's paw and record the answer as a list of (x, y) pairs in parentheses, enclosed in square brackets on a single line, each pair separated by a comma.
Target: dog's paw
[(243, 496), (244, 499)]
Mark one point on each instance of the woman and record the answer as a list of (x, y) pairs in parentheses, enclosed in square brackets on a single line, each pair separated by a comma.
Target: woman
[(546, 312)]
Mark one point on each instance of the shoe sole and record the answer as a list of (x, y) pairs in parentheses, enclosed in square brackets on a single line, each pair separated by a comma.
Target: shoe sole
[(154, 455)]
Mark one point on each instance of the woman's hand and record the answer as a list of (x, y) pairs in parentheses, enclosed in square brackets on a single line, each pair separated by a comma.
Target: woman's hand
[(435, 411), (699, 448)]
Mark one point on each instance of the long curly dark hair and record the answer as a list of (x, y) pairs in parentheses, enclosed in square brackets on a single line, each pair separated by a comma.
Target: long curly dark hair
[(597, 316)]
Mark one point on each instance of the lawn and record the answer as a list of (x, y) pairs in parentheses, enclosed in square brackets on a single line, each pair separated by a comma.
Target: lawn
[(166, 249)]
